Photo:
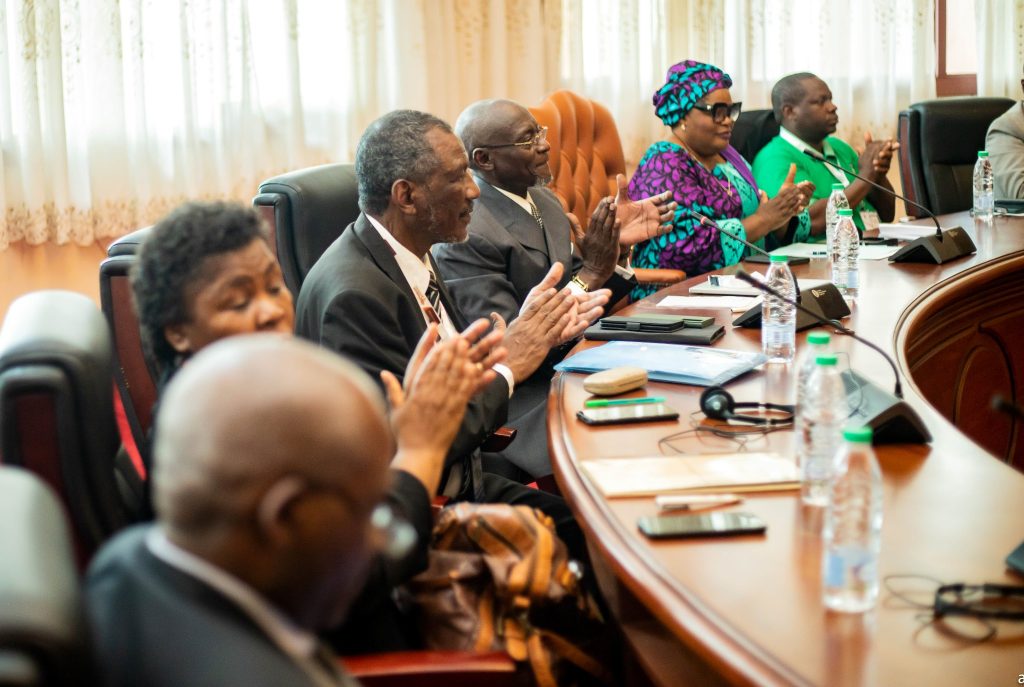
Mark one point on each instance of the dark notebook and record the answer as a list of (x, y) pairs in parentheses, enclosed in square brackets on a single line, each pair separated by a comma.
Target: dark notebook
[(704, 335)]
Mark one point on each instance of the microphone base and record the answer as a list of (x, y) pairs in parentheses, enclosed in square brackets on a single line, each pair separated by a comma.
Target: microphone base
[(955, 243), (890, 418), (825, 300)]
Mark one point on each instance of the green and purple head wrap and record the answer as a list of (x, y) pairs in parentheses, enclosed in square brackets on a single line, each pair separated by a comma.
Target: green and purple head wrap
[(686, 83)]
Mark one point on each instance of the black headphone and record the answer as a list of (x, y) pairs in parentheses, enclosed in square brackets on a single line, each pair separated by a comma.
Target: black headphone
[(718, 403)]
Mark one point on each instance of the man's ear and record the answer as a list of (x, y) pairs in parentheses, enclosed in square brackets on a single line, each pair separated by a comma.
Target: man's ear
[(272, 512), (402, 196), (178, 338), (481, 158)]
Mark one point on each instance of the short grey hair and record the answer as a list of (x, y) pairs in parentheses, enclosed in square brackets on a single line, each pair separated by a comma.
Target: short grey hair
[(394, 147)]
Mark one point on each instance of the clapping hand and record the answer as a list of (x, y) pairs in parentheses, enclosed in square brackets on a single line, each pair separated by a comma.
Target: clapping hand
[(641, 220)]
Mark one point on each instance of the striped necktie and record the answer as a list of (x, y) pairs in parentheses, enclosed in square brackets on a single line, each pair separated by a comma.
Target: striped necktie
[(434, 293), (536, 215)]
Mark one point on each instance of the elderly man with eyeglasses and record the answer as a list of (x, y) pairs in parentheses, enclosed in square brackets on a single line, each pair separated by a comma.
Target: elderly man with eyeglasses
[(518, 230)]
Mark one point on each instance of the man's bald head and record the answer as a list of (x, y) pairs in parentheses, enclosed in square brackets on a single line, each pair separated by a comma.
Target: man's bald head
[(485, 122), (500, 138), (247, 411)]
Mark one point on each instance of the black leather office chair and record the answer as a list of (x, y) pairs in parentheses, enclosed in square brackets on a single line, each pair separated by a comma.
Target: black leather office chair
[(134, 375), (56, 408), (939, 143), (752, 131), (42, 626), (305, 211)]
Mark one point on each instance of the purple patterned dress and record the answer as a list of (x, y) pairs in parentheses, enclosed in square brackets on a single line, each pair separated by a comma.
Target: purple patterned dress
[(727, 195)]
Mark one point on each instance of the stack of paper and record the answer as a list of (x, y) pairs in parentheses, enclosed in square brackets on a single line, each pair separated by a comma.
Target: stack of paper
[(905, 232), (734, 303), (618, 477), (728, 285)]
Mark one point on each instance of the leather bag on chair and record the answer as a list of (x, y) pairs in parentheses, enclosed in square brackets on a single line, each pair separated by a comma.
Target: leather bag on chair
[(500, 578)]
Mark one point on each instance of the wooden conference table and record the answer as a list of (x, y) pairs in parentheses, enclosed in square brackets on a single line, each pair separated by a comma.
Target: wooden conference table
[(748, 610)]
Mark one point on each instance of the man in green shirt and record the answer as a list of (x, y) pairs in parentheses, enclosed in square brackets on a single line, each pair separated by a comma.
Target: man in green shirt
[(803, 107)]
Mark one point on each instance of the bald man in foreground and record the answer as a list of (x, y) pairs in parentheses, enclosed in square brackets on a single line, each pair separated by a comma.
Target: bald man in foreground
[(270, 496)]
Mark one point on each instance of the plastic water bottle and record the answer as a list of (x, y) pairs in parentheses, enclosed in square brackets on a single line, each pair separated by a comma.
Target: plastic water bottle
[(853, 527), (821, 420), (983, 180), (836, 201), (817, 344), (845, 270), (778, 319)]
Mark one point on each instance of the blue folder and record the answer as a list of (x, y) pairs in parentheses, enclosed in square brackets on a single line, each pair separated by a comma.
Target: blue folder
[(696, 365)]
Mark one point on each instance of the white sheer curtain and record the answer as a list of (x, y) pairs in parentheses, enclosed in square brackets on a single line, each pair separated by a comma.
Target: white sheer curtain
[(876, 55), (1000, 46), (114, 111)]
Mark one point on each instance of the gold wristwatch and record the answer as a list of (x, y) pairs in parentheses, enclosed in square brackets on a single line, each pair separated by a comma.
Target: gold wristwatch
[(579, 282)]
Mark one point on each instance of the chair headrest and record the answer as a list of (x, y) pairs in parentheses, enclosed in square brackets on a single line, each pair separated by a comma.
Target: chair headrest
[(62, 328), (129, 243), (959, 123), (40, 602), (312, 207)]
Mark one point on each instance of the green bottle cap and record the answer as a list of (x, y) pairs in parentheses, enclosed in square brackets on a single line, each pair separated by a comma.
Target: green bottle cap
[(858, 435), (778, 258), (827, 359), (982, 153), (845, 212), (837, 187), (818, 338)]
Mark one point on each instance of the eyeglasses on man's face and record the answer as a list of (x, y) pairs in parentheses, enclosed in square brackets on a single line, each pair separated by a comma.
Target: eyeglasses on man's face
[(532, 142), (719, 111)]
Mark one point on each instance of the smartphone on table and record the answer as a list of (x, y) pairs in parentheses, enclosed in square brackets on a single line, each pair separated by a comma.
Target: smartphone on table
[(613, 415), (703, 525)]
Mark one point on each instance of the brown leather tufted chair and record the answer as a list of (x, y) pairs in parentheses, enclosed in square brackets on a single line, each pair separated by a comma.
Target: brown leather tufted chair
[(586, 155)]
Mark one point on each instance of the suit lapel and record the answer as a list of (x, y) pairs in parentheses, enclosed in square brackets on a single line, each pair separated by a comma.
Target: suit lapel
[(557, 226), (517, 221), (384, 257)]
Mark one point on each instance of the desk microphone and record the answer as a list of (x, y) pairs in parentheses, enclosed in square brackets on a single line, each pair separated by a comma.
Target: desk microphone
[(708, 222), (941, 247), (893, 421)]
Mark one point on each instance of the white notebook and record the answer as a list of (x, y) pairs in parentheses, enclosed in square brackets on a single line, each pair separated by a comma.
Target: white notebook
[(619, 477)]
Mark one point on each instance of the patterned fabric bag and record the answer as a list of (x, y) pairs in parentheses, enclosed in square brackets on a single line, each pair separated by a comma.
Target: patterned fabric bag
[(500, 579)]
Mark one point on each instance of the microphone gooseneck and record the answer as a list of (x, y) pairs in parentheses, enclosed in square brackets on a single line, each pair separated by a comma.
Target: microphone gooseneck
[(708, 222), (815, 155), (742, 275)]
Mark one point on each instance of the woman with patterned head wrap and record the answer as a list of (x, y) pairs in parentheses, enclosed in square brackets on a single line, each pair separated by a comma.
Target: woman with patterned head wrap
[(707, 175)]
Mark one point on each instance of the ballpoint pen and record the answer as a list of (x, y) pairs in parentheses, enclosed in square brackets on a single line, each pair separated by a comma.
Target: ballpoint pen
[(603, 402), (693, 502)]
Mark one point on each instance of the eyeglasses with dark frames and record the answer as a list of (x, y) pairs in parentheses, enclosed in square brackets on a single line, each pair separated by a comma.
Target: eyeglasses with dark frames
[(535, 140), (719, 111)]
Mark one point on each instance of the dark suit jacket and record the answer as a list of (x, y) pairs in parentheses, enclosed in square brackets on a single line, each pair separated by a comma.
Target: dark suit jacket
[(154, 625), (504, 257), (357, 302)]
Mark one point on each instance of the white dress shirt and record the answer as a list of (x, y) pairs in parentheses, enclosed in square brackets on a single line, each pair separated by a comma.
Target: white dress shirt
[(416, 271)]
